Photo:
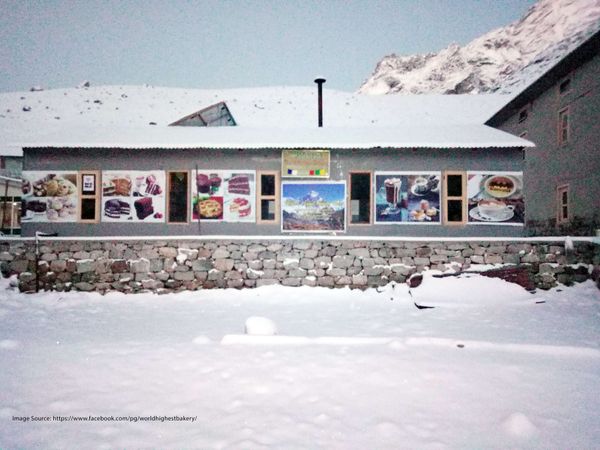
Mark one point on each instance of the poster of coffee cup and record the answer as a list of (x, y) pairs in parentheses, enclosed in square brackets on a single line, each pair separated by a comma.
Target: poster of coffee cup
[(407, 197), (223, 195), (495, 198), (313, 206), (49, 196), (133, 196)]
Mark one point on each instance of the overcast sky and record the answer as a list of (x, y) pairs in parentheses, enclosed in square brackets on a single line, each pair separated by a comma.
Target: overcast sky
[(222, 44)]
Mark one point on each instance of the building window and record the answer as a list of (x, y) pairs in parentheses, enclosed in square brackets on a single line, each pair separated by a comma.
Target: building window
[(565, 86), (177, 192), (89, 194), (268, 197), (562, 197), (10, 215), (523, 115), (360, 198), (455, 198), (563, 126)]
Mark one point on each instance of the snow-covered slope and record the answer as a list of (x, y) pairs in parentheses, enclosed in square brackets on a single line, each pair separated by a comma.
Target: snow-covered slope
[(549, 30)]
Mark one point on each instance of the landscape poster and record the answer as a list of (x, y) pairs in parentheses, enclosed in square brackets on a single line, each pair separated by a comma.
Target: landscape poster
[(495, 198), (224, 195), (313, 206), (133, 196), (49, 196), (407, 197)]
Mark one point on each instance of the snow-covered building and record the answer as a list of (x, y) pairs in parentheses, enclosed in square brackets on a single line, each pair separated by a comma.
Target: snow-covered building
[(560, 113), (153, 161)]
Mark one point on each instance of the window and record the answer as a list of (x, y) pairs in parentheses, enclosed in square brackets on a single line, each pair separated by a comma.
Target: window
[(360, 198), (268, 197), (562, 197), (10, 214), (178, 201), (563, 126), (89, 193), (455, 190), (523, 115), (565, 86)]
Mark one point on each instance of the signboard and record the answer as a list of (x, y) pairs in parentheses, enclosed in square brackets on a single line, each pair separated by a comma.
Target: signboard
[(49, 196), (133, 196), (224, 195), (305, 164), (407, 197), (495, 198), (313, 206)]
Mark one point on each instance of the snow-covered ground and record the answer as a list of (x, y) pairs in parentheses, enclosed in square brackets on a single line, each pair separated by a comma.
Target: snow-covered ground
[(491, 366)]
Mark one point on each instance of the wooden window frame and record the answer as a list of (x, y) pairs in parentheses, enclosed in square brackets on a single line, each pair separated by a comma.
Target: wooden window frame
[(560, 204), (97, 196), (564, 111), (349, 199), (462, 198), (187, 198), (260, 197)]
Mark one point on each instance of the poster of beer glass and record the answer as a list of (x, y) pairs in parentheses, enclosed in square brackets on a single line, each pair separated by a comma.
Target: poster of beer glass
[(313, 206), (496, 198), (407, 197), (49, 196)]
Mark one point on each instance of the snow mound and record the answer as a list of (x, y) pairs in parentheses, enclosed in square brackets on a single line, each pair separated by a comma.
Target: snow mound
[(518, 425), (201, 340), (260, 326), (8, 344)]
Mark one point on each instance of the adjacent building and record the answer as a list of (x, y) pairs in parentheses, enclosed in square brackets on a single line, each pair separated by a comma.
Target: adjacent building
[(560, 113)]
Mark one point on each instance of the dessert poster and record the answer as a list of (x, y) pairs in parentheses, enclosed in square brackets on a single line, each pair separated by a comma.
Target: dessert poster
[(49, 196), (495, 198), (133, 196), (313, 206), (224, 195), (407, 197)]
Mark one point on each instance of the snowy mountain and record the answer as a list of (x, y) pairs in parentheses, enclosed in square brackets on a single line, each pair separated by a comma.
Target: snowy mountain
[(505, 59)]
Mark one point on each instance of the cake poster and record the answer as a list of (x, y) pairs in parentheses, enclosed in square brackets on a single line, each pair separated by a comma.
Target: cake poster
[(495, 198), (224, 195), (133, 196), (49, 196), (407, 197), (313, 206)]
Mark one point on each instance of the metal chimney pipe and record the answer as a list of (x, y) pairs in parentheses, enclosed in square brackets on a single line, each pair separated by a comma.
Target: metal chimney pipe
[(320, 82)]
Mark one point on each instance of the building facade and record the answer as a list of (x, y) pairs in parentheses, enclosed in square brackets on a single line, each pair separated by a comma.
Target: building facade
[(560, 113)]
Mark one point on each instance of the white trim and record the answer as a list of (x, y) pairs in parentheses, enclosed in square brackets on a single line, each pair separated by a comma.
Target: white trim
[(329, 237)]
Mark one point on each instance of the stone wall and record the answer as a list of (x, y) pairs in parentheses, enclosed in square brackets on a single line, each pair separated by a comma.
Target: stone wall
[(166, 266)]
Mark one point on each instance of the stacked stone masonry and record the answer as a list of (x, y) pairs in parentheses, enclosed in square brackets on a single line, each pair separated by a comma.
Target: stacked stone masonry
[(167, 266)]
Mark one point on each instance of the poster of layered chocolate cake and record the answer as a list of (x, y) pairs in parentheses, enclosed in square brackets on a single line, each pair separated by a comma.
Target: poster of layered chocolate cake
[(223, 195), (133, 196), (49, 196)]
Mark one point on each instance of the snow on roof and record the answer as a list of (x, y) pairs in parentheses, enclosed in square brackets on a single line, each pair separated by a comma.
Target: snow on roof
[(120, 116), (449, 136)]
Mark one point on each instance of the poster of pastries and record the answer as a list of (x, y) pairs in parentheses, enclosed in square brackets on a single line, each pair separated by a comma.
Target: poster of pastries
[(407, 197), (224, 195), (495, 198), (133, 196), (49, 196)]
